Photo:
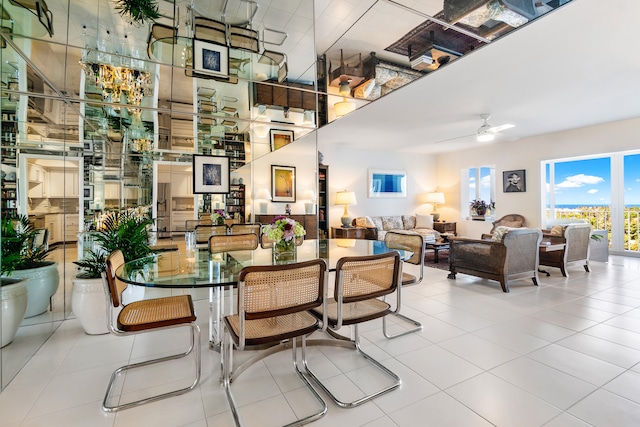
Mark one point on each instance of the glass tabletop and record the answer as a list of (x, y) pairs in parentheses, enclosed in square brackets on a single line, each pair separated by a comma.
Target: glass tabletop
[(199, 268)]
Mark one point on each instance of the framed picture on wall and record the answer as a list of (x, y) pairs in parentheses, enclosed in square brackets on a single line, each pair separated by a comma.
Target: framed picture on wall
[(283, 183), (280, 138), (387, 183), (210, 58), (88, 192), (514, 181), (211, 174)]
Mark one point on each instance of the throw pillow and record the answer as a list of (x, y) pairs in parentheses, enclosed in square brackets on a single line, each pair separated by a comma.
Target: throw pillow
[(391, 223), (557, 230), (369, 222), (360, 221), (409, 222), (424, 221), (377, 222), (499, 232)]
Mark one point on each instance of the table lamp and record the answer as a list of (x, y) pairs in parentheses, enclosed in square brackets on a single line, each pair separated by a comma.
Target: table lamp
[(263, 196), (346, 198), (435, 198)]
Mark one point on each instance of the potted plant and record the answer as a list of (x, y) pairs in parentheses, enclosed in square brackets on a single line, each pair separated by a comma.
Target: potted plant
[(137, 11), (21, 258), (479, 208), (13, 301), (126, 230)]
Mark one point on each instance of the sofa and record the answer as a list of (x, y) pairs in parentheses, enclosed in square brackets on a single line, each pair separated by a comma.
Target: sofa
[(511, 254), (378, 226)]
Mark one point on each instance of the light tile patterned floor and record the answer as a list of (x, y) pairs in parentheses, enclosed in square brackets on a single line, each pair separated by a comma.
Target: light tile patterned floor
[(566, 353)]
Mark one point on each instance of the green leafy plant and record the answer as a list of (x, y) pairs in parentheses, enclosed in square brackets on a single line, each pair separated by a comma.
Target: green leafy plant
[(125, 230), (138, 10), (18, 249), (481, 207)]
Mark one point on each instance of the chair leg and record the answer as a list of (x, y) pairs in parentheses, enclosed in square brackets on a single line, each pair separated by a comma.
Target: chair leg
[(417, 326), (228, 377), (195, 344), (356, 345), (586, 268)]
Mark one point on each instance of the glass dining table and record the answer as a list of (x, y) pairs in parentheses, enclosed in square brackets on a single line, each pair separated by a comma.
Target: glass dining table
[(197, 268)]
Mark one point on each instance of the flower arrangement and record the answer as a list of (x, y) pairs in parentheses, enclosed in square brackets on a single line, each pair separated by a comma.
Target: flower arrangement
[(218, 216), (480, 207), (283, 228)]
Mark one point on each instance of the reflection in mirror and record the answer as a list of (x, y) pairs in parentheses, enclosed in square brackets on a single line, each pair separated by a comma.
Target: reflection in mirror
[(127, 106)]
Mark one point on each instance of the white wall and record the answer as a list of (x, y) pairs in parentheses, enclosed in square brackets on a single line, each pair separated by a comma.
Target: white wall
[(348, 171), (527, 154)]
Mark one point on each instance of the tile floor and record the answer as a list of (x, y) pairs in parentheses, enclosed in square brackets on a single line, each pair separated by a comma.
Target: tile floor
[(566, 353)]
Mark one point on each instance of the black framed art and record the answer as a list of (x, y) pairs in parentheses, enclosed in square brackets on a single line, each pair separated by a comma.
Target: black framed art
[(211, 174)]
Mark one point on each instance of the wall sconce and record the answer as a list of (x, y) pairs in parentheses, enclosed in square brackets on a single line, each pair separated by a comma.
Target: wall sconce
[(263, 197), (435, 198), (346, 198), (310, 205)]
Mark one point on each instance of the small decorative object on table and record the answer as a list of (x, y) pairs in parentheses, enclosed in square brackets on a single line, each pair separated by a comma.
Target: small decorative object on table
[(218, 216), (284, 231)]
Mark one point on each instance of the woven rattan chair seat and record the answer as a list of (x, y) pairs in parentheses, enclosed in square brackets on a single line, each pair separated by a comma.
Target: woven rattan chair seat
[(156, 313), (272, 329), (367, 309)]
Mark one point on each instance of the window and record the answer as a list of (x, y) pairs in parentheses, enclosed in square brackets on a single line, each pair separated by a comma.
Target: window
[(477, 184)]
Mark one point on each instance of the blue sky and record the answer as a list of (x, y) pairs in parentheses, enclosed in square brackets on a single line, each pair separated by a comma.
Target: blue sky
[(588, 182)]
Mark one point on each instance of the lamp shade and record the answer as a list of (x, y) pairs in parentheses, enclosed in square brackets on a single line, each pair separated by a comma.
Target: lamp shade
[(434, 197), (343, 108), (346, 198), (309, 195), (263, 194)]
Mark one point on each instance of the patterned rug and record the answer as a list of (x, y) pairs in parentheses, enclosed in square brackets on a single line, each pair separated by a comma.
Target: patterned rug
[(443, 259)]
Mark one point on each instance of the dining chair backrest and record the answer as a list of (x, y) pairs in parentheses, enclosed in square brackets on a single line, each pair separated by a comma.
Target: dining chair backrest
[(115, 285), (204, 231), (245, 228), (233, 242), (277, 290), (408, 242), (365, 277)]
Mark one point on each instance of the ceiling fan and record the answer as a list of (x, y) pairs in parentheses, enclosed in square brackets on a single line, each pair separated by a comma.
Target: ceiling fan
[(485, 133)]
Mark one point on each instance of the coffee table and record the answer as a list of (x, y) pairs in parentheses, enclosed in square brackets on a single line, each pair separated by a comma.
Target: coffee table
[(437, 247)]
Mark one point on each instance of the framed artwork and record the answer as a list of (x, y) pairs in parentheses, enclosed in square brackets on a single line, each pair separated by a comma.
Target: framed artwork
[(514, 181), (211, 174), (387, 183), (280, 138), (283, 183), (210, 58), (88, 192)]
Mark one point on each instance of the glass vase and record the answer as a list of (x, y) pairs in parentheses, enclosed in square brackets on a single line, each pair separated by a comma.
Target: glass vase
[(284, 250)]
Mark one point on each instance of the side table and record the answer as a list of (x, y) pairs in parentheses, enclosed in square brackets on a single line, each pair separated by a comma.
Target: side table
[(445, 227), (348, 233)]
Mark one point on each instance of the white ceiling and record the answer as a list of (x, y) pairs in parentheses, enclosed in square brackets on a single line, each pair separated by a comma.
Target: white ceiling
[(577, 66)]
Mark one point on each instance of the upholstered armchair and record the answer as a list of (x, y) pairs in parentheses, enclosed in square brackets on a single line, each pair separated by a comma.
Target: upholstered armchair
[(514, 256), (510, 220), (576, 238)]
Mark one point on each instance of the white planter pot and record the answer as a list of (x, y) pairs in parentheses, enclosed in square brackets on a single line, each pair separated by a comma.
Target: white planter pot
[(13, 298), (42, 285), (89, 304)]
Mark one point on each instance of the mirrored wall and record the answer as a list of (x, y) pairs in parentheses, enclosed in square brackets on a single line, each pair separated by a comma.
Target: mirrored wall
[(104, 111)]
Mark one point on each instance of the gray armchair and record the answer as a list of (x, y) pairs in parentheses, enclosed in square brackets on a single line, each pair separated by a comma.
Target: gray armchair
[(513, 257), (576, 238)]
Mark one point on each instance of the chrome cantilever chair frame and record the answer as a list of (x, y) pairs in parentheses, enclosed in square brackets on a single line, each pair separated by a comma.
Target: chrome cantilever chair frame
[(273, 308), (183, 305), (356, 301), (416, 244)]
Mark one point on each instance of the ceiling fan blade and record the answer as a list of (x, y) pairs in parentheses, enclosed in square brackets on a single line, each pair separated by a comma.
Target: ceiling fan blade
[(496, 129), (455, 138)]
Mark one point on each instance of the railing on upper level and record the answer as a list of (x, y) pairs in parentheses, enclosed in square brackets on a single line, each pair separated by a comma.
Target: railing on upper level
[(600, 219)]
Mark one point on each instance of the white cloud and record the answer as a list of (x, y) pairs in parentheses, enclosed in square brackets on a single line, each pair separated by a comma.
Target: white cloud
[(592, 191), (580, 180), (485, 181)]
